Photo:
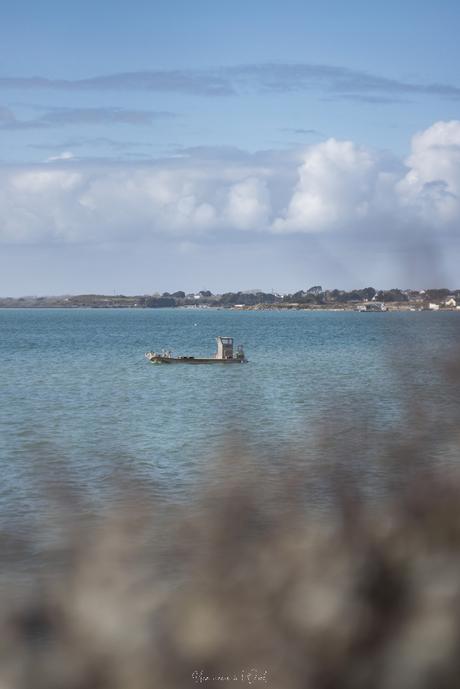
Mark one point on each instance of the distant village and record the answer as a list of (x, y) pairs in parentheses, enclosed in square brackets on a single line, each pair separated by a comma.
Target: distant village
[(313, 298)]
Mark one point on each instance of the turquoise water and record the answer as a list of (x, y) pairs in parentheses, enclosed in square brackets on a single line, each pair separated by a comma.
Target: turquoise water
[(80, 401)]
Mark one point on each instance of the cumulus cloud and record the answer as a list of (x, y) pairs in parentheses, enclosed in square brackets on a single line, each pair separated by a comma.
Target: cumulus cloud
[(39, 205), (324, 189), (431, 187), (248, 204), (337, 185)]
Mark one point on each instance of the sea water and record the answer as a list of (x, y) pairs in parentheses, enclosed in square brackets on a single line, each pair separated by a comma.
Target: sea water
[(79, 401)]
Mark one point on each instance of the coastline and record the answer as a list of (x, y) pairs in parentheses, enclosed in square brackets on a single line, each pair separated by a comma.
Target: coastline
[(314, 299), (352, 308)]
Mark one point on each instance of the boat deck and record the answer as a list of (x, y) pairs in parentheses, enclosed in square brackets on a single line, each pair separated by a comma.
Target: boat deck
[(225, 355), (156, 359)]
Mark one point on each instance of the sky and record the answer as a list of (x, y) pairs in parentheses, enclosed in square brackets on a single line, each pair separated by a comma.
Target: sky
[(151, 146)]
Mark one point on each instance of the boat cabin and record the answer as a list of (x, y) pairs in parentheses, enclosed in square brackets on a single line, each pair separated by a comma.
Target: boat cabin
[(224, 348)]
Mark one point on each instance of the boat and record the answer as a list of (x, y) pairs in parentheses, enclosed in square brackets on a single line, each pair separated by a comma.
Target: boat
[(225, 354)]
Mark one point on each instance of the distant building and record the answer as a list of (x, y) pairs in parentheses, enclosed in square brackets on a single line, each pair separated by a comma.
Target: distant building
[(433, 307), (372, 306), (451, 301)]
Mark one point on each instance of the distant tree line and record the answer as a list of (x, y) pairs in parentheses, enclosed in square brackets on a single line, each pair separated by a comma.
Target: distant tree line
[(314, 296), (206, 298)]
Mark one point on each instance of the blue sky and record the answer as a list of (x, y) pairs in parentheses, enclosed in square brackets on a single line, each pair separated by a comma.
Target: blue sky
[(91, 92)]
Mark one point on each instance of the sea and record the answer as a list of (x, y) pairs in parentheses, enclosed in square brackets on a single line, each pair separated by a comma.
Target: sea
[(83, 412)]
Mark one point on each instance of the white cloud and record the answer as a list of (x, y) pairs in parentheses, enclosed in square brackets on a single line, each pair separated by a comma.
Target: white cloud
[(337, 185), (40, 204), (248, 205), (431, 186), (65, 155), (334, 186)]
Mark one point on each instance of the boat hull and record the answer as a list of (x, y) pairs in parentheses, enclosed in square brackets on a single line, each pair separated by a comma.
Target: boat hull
[(191, 360)]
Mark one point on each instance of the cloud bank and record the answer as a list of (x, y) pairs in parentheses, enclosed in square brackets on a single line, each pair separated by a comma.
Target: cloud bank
[(330, 188), (226, 81)]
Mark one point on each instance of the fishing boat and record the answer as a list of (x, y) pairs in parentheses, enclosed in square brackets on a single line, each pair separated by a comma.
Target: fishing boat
[(224, 355)]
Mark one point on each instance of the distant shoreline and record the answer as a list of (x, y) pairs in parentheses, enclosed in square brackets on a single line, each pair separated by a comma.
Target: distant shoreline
[(313, 299), (346, 308)]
